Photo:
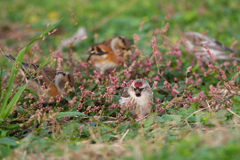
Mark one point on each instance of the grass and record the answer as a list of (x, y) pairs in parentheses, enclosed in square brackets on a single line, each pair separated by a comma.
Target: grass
[(91, 125)]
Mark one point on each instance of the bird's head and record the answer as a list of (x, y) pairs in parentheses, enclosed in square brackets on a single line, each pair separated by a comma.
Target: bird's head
[(123, 45), (140, 87)]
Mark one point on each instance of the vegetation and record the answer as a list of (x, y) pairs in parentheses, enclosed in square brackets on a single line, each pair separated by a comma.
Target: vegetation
[(192, 117)]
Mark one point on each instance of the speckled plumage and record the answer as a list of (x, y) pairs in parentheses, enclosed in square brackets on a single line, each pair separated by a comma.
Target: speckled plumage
[(108, 53), (138, 100), (53, 80), (193, 43)]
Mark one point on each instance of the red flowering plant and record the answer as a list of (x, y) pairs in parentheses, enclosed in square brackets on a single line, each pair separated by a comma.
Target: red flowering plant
[(181, 84)]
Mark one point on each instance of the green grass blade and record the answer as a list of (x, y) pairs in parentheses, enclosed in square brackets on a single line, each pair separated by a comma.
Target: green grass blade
[(13, 74), (1, 90), (51, 27), (13, 101), (70, 114), (4, 111), (45, 32)]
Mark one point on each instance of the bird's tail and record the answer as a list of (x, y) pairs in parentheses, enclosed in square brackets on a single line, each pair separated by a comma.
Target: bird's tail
[(237, 59), (23, 65), (25, 68), (224, 47), (85, 52), (10, 57)]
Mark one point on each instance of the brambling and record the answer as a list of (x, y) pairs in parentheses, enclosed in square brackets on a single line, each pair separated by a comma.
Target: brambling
[(109, 53), (193, 42), (46, 81), (137, 98)]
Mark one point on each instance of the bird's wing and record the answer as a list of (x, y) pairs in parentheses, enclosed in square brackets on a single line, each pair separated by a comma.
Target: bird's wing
[(50, 72), (43, 78), (106, 42), (98, 50), (197, 39), (124, 96), (124, 92), (194, 42)]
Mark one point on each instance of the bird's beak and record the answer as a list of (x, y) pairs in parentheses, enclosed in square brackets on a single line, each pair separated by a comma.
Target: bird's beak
[(73, 90), (138, 93), (129, 52)]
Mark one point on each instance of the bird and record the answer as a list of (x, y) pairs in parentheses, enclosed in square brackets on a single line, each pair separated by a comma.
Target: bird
[(194, 41), (109, 53), (137, 98), (53, 81)]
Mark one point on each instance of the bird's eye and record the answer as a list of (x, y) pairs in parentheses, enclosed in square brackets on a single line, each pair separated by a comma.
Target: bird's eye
[(134, 89), (123, 48)]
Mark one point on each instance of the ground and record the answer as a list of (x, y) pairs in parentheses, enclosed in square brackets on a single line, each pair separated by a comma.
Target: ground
[(191, 118)]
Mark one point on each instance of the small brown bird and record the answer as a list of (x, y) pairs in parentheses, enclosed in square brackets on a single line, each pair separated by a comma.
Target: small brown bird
[(109, 53), (52, 80), (138, 98), (194, 42)]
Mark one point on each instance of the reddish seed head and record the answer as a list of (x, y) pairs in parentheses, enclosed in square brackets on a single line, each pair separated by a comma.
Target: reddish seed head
[(138, 84)]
